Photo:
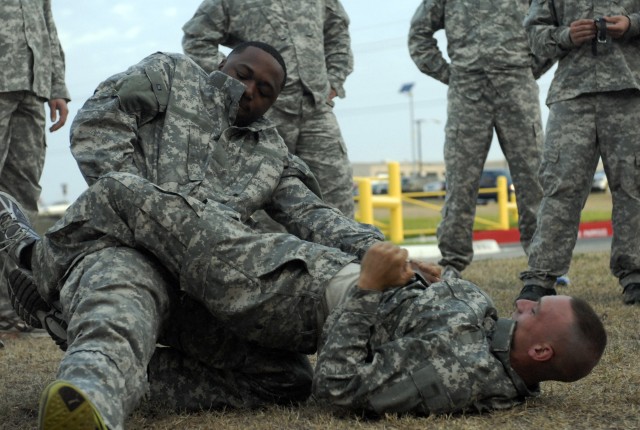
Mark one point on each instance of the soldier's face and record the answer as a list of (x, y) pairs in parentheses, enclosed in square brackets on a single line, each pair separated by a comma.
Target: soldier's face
[(262, 76), (538, 319)]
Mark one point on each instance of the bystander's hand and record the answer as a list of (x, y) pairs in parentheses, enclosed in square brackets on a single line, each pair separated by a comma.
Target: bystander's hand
[(59, 112), (617, 25), (385, 265), (582, 30), (332, 94)]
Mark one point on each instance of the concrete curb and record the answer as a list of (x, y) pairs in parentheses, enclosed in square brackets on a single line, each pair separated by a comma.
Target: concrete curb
[(486, 246)]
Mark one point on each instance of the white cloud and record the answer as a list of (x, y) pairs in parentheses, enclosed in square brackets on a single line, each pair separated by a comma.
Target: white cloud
[(124, 10)]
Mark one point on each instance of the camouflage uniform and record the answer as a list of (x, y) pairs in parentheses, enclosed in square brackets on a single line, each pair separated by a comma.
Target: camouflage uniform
[(32, 73), (166, 120), (491, 86), (258, 290), (440, 349), (593, 101), (313, 39)]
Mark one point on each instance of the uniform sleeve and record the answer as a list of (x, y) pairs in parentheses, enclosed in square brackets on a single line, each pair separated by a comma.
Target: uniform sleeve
[(634, 26), (58, 86), (547, 38), (351, 374), (204, 32), (423, 47), (337, 46), (105, 132), (296, 204)]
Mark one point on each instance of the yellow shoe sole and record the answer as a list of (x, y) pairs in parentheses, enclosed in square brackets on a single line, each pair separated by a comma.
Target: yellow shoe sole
[(64, 406)]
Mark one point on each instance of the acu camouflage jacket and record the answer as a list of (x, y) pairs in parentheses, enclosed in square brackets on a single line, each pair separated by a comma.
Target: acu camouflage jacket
[(440, 349)]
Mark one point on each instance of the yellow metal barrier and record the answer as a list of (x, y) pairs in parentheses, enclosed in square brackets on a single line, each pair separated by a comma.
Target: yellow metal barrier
[(393, 201)]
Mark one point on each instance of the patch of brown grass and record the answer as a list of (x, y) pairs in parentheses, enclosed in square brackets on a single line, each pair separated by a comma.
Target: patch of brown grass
[(609, 398)]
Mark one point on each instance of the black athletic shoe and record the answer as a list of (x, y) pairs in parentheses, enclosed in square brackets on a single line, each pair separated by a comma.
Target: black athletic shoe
[(535, 292), (16, 231), (31, 307), (631, 294)]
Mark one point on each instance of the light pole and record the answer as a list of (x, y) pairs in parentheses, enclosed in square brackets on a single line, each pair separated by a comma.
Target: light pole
[(406, 89), (419, 123), (419, 144)]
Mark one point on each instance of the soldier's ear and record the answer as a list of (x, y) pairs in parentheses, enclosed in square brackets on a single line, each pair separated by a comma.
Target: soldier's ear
[(222, 63), (541, 352)]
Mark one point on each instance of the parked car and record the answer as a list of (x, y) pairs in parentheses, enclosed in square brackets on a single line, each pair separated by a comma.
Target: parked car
[(435, 186), (489, 179), (600, 183), (382, 186)]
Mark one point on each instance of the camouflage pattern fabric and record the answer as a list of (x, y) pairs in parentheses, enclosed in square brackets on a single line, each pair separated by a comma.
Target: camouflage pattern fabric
[(115, 301), (314, 40), (30, 51), (33, 72), (249, 281), (435, 350), (168, 121), (206, 366), (591, 104), (23, 147), (491, 86), (615, 68)]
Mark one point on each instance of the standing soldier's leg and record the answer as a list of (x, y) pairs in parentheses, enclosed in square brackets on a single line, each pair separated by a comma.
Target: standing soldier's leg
[(569, 160), (24, 161), (22, 151), (519, 130), (619, 139), (469, 131), (314, 136)]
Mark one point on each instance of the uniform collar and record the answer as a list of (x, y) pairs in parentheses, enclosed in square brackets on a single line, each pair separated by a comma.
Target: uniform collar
[(500, 345), (234, 90)]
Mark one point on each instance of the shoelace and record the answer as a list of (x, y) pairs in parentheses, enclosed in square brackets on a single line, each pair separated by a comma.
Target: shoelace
[(10, 238), (14, 323)]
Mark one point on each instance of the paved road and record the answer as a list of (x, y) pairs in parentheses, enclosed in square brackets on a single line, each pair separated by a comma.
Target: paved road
[(489, 249), (582, 245)]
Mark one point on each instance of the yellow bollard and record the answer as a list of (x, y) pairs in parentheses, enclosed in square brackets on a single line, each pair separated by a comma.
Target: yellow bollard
[(365, 202), (396, 222), (503, 200)]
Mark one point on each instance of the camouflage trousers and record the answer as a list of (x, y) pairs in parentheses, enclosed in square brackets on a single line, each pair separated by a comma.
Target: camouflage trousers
[(22, 153), (119, 303), (313, 134), (514, 112), (22, 146), (267, 287), (579, 131)]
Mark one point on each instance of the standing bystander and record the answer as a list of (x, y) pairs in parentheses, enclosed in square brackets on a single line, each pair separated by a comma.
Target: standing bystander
[(32, 74), (491, 81), (593, 103)]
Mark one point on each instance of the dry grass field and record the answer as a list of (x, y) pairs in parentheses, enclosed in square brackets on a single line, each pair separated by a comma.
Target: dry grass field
[(609, 398)]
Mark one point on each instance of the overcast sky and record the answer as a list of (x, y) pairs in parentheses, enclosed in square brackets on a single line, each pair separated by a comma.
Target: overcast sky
[(101, 38)]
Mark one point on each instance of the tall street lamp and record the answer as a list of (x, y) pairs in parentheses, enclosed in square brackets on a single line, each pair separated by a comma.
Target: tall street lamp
[(419, 123), (406, 89)]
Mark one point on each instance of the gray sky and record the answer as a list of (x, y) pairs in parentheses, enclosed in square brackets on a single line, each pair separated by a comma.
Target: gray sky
[(101, 38)]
